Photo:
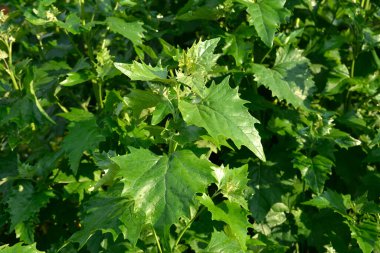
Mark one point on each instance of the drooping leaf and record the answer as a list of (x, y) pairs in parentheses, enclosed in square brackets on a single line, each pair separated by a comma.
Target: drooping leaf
[(25, 202), (315, 171), (233, 215), (163, 187), (233, 183), (328, 199), (19, 248), (82, 136), (266, 16), (133, 31), (221, 243), (222, 113), (236, 47), (141, 71)]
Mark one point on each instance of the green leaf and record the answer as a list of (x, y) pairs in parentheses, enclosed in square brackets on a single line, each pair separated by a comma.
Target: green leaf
[(82, 136), (266, 16), (367, 234), (72, 23), (19, 248), (274, 81), (221, 243), (133, 31), (38, 104), (222, 113), (294, 68), (141, 71), (233, 183), (74, 78), (76, 115), (25, 203), (233, 215), (163, 187), (103, 212), (315, 171), (236, 47), (328, 199)]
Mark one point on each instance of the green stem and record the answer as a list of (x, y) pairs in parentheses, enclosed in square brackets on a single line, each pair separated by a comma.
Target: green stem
[(172, 146), (97, 88), (157, 241), (201, 210)]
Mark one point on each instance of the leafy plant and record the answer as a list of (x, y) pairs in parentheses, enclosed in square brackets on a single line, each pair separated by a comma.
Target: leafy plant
[(189, 126)]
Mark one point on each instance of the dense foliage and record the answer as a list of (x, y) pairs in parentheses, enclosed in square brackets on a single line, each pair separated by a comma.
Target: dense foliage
[(190, 126)]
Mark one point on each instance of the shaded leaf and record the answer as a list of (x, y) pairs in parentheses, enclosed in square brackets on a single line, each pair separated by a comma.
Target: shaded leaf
[(328, 199), (233, 215), (367, 234), (82, 136), (315, 171)]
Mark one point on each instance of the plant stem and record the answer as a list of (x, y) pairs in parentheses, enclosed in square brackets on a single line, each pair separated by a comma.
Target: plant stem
[(157, 241)]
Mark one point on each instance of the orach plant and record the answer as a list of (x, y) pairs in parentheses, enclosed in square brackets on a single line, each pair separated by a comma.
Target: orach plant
[(190, 126)]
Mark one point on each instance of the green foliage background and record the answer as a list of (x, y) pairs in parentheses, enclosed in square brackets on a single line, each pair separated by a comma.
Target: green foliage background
[(190, 126)]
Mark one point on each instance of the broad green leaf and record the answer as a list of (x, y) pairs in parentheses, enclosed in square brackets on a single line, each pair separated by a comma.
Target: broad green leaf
[(163, 187), (221, 243), (266, 16), (222, 113), (82, 136), (25, 202), (74, 78), (133, 31), (141, 71), (315, 171), (233, 183), (367, 234), (19, 248), (274, 81), (329, 199), (233, 215)]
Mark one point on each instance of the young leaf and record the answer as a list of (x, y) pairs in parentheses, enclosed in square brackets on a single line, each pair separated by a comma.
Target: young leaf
[(141, 71), (314, 171), (233, 215), (266, 16), (222, 113), (83, 135), (133, 31), (233, 183), (163, 187)]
